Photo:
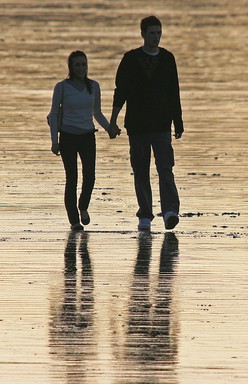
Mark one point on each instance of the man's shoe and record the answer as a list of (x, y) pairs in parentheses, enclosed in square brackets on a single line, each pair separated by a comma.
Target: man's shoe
[(171, 219), (77, 227), (144, 224), (85, 218)]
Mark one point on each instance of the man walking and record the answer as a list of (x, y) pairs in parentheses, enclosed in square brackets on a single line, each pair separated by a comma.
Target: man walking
[(147, 81)]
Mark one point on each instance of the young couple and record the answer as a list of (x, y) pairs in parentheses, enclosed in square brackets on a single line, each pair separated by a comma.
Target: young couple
[(147, 82)]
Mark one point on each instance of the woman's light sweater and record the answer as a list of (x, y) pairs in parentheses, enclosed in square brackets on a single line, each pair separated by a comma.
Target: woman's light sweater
[(79, 108)]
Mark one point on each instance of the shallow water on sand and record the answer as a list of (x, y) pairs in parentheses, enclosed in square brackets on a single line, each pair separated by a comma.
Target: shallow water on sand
[(111, 305)]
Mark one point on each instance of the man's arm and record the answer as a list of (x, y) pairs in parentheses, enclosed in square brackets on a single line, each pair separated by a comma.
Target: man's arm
[(114, 130), (115, 113), (119, 93), (176, 102)]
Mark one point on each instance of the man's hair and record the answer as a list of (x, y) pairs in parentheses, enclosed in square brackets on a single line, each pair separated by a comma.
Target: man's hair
[(148, 22)]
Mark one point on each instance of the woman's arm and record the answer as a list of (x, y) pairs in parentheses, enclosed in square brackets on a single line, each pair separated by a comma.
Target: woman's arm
[(98, 115), (54, 112)]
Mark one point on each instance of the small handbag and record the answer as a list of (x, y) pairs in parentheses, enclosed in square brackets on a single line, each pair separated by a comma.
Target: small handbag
[(60, 115)]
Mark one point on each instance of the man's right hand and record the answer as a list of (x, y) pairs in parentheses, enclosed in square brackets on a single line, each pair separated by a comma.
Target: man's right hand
[(113, 131)]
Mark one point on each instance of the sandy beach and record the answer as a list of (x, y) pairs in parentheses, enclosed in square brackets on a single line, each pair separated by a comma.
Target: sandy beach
[(112, 305)]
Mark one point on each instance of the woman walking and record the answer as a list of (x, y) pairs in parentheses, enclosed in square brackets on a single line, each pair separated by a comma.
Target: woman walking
[(76, 100)]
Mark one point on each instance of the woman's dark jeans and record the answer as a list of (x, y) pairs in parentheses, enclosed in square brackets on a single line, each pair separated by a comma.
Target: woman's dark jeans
[(70, 146), (140, 157)]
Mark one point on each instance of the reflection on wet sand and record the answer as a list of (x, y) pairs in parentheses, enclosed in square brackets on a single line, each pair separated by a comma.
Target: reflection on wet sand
[(71, 334), (153, 329), (151, 323)]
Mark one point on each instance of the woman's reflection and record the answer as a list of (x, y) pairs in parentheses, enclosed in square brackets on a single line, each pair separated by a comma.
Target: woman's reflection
[(153, 325), (71, 335)]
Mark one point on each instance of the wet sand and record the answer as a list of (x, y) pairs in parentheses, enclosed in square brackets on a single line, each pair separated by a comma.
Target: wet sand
[(112, 305)]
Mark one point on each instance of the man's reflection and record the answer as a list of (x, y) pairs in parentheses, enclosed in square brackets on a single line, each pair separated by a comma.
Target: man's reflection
[(152, 339), (71, 321)]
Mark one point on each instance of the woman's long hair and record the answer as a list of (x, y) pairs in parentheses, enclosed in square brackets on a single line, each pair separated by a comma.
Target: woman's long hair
[(88, 82)]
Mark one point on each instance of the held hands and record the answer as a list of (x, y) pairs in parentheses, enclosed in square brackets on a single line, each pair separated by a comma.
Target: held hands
[(113, 131), (55, 149)]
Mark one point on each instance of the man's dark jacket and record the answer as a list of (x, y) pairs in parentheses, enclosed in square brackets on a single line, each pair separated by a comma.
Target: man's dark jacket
[(149, 86)]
